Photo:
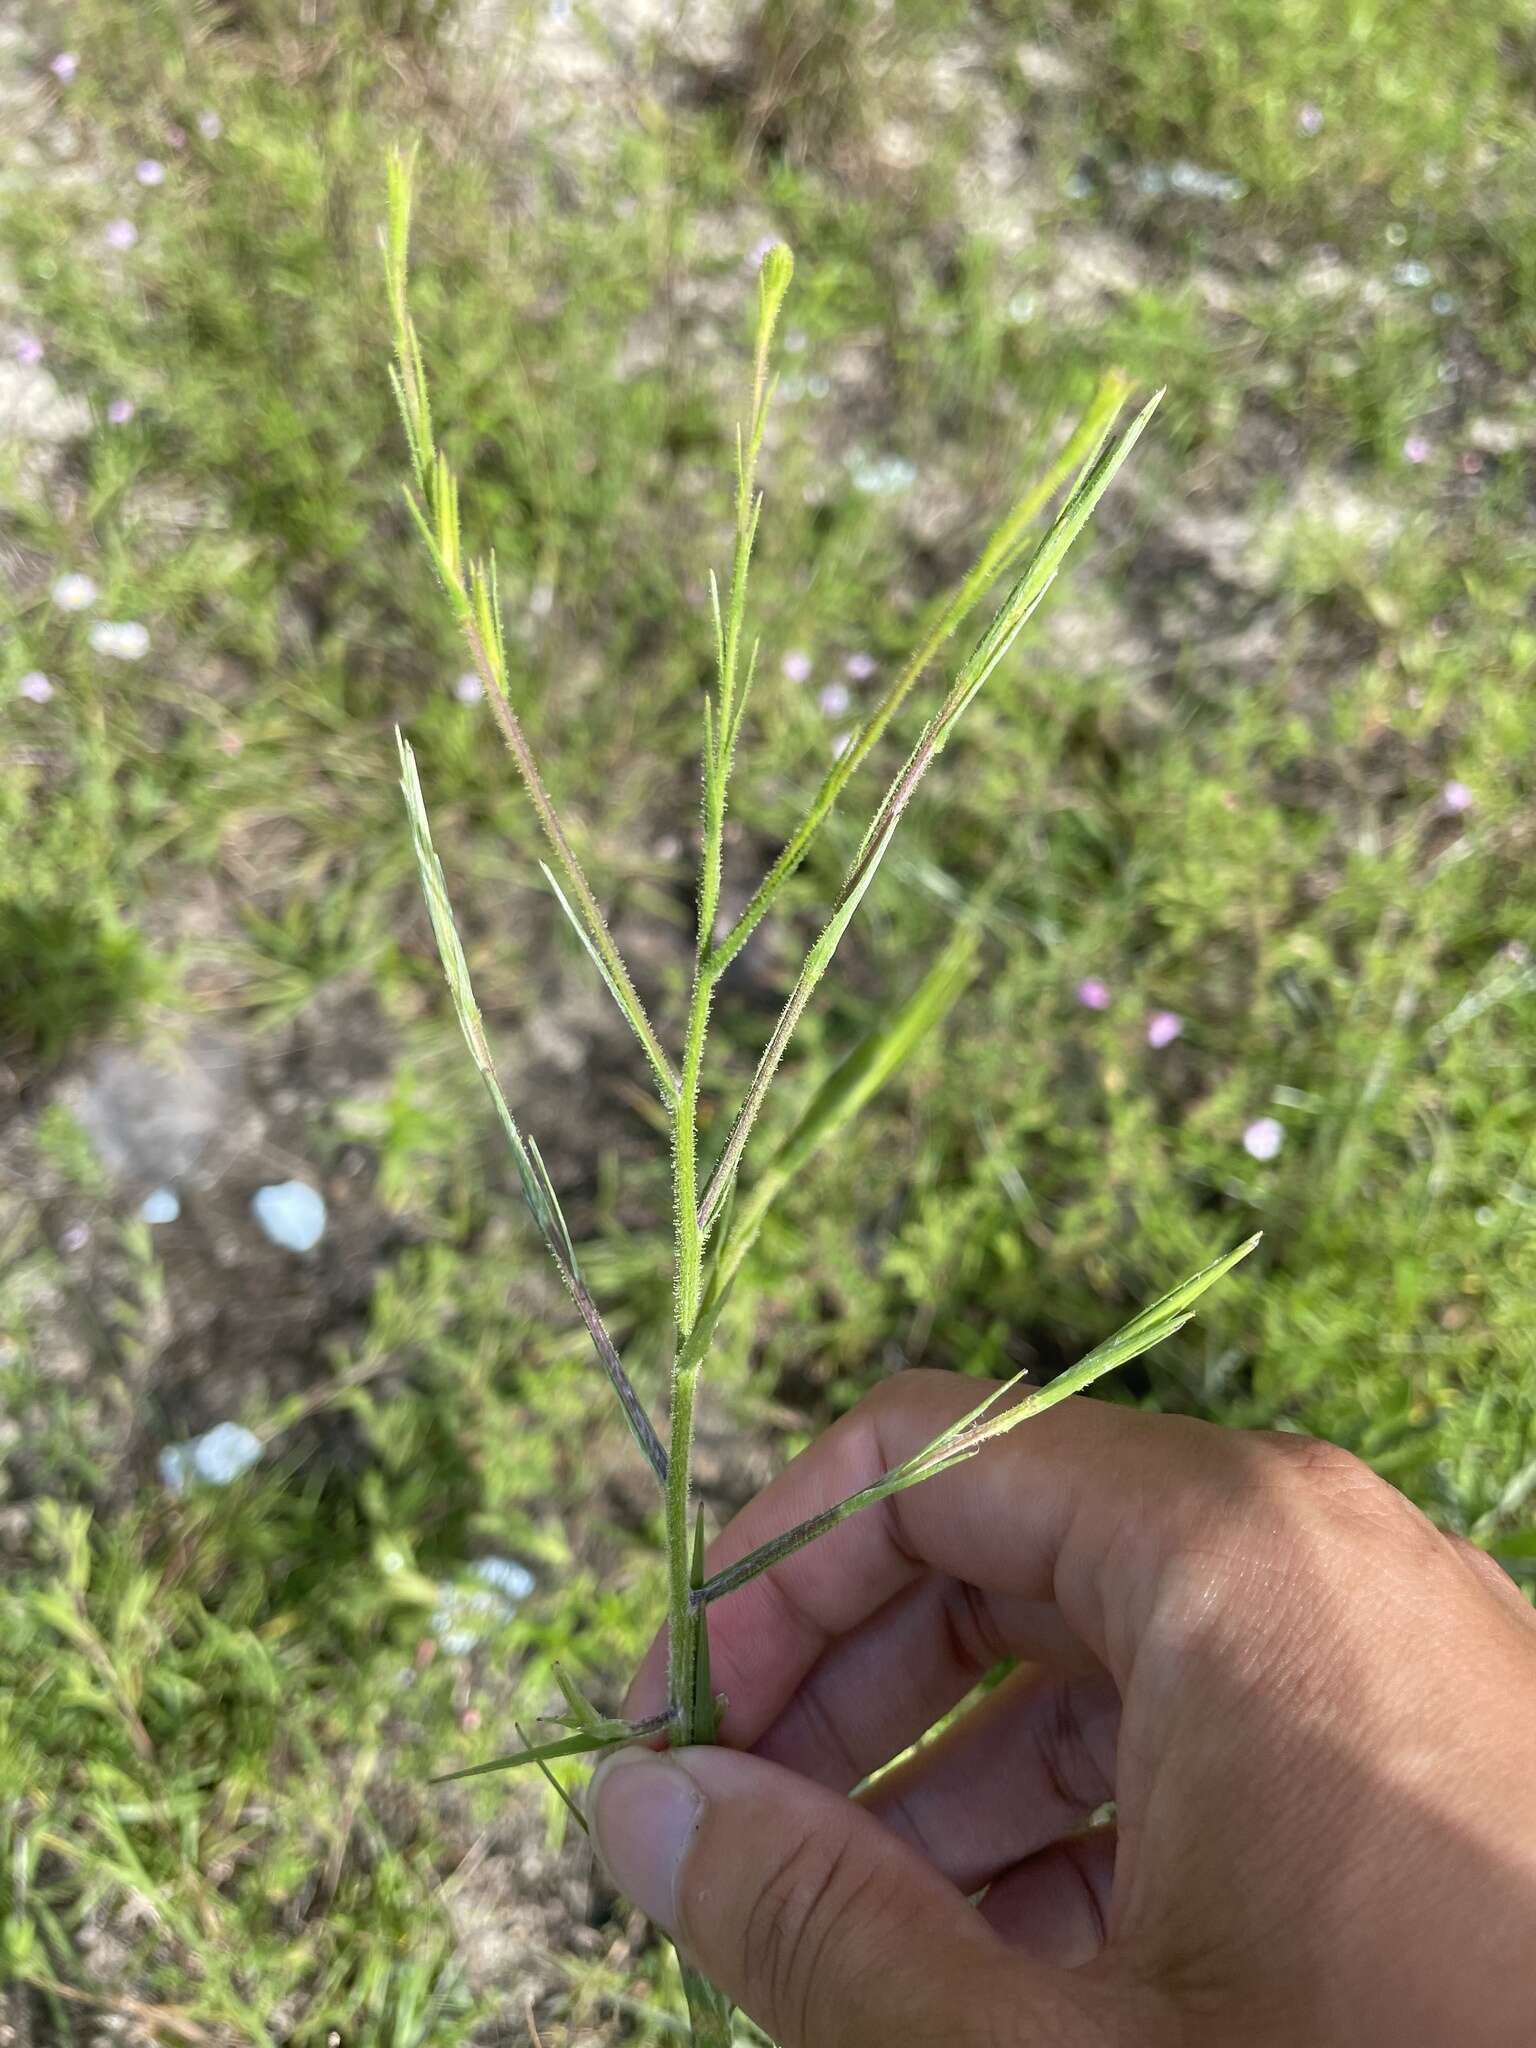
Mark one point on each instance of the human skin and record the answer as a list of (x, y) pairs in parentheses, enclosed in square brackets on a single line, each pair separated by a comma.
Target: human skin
[(1315, 1712)]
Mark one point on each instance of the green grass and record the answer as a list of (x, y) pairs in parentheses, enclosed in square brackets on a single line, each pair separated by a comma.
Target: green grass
[(1213, 777)]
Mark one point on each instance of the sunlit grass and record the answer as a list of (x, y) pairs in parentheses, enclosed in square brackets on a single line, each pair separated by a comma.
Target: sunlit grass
[(1211, 780)]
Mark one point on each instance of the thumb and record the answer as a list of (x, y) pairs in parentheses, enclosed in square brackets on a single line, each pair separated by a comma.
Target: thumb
[(810, 1914)]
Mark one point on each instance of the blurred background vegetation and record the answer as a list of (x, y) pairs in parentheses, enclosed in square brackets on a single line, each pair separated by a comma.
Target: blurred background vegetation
[(1264, 765)]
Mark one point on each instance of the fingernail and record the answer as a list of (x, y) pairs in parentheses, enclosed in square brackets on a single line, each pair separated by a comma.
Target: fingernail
[(643, 1809)]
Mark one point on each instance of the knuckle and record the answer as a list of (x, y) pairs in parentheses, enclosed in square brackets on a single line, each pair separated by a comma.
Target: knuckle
[(1313, 1458), (1301, 1474)]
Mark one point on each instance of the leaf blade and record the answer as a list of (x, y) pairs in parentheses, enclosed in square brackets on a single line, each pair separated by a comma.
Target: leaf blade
[(963, 1439)]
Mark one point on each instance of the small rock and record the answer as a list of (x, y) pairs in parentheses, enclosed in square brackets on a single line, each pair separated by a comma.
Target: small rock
[(1045, 68), (504, 1575), (220, 1457), (881, 476), (1194, 181), (292, 1214), (465, 1616), (161, 1205), (151, 1119), (1494, 436)]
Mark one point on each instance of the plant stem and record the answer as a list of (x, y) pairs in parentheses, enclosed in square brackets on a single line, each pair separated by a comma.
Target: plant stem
[(679, 1615), (722, 721)]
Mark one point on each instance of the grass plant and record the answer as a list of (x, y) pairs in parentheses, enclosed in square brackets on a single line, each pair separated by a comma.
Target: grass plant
[(710, 1238)]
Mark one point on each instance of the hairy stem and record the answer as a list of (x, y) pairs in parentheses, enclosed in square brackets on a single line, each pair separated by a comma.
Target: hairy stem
[(722, 721)]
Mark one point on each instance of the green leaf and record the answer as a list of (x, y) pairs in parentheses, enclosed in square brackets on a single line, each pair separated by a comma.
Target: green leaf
[(1170, 1312), (583, 1713), (1097, 475), (702, 1718), (665, 1079), (973, 1431), (586, 1741), (1003, 547), (538, 1190), (555, 1786), (845, 1092)]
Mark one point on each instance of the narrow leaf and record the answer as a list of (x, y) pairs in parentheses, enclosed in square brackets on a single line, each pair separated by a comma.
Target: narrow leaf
[(702, 1717), (583, 1713), (1016, 608), (583, 1743), (555, 1785), (963, 1439), (666, 1081), (816, 964), (844, 1093), (538, 1190), (1002, 548)]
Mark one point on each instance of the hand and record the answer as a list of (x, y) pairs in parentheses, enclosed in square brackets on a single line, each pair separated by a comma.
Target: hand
[(1316, 1715)]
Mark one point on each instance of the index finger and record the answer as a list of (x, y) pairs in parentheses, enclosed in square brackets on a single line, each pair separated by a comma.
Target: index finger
[(1042, 1515)]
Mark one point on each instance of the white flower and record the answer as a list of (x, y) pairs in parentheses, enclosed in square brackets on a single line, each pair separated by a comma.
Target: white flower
[(209, 125), (122, 639), (73, 592), (1263, 1138), (468, 688), (35, 687)]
